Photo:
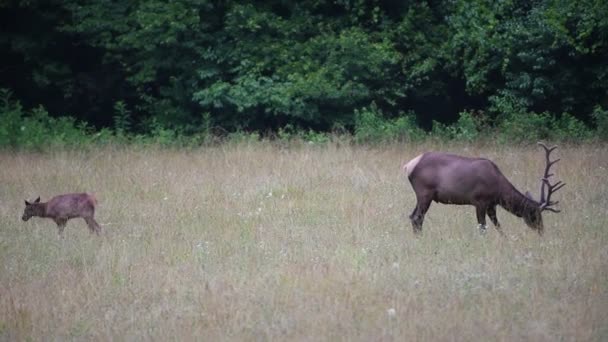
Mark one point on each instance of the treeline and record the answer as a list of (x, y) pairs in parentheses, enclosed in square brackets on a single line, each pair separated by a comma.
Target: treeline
[(375, 69)]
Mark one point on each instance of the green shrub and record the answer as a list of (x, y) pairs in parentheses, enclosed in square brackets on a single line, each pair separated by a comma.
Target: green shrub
[(36, 129), (600, 118), (317, 138), (569, 128), (468, 128), (371, 127), (404, 128), (518, 127), (11, 117), (441, 131), (240, 136), (122, 119)]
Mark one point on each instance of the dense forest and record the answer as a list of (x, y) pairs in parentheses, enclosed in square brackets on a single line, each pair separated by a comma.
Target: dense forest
[(313, 65)]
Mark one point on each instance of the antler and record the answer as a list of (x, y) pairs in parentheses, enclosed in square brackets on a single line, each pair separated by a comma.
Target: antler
[(546, 203)]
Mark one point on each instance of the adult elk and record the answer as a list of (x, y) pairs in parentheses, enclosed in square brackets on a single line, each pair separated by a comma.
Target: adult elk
[(452, 179), (64, 207)]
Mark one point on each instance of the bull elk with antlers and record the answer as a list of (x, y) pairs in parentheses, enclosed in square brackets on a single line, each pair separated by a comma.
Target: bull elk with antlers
[(452, 179)]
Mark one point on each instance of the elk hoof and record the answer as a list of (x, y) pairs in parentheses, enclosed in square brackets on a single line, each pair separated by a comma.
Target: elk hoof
[(482, 228)]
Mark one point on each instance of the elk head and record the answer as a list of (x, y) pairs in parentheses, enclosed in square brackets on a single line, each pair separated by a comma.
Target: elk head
[(31, 209), (534, 218)]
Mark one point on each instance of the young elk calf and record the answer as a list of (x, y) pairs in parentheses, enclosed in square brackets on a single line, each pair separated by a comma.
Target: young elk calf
[(64, 207), (452, 179)]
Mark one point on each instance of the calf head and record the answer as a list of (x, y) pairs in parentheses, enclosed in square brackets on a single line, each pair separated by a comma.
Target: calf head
[(32, 209)]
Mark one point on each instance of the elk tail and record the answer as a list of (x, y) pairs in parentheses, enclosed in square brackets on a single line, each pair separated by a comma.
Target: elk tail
[(93, 198)]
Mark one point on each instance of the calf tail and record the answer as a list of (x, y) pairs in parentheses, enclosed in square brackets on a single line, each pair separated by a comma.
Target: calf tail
[(93, 199)]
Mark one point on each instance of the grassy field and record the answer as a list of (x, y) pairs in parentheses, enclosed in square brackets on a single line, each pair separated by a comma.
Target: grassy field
[(263, 242)]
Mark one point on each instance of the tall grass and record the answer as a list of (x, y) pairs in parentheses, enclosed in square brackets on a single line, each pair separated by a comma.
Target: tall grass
[(256, 241)]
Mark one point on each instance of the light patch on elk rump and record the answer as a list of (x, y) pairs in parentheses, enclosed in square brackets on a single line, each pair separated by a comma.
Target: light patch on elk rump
[(411, 165)]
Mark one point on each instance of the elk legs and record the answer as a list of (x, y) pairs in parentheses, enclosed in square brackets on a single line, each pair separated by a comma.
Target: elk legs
[(492, 215), (61, 222), (93, 225), (494, 219), (481, 210), (417, 216)]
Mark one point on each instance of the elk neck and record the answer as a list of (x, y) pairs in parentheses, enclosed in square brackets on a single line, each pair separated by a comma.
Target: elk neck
[(517, 203), (40, 209)]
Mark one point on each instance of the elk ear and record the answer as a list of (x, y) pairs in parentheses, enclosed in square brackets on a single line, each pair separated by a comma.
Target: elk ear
[(37, 200), (27, 203)]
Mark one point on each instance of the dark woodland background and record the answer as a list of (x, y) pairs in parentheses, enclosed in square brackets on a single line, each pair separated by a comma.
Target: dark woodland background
[(319, 66)]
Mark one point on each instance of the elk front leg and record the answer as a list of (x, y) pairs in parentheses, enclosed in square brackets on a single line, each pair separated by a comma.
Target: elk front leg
[(492, 216), (417, 216), (481, 210)]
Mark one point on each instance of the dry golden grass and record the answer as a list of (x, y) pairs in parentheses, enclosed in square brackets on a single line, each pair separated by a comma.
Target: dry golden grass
[(262, 242)]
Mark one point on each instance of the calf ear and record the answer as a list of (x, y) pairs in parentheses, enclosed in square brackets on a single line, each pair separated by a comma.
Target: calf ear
[(27, 203), (37, 200)]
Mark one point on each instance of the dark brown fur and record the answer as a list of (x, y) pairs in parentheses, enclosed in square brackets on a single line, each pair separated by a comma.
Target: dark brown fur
[(64, 207), (452, 179)]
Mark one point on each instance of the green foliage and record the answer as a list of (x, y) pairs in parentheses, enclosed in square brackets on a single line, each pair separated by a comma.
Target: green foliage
[(468, 128), (122, 118), (600, 116), (11, 114), (518, 127), (331, 71), (289, 134), (317, 138), (546, 53), (36, 129), (152, 67), (521, 127), (372, 127), (568, 128), (241, 137)]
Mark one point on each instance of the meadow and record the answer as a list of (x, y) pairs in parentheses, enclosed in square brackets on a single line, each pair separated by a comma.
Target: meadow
[(267, 241)]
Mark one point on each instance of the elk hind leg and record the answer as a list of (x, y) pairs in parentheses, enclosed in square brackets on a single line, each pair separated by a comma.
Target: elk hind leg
[(94, 227), (417, 216)]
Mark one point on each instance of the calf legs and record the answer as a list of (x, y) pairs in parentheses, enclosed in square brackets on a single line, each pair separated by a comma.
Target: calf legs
[(61, 222), (94, 227)]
